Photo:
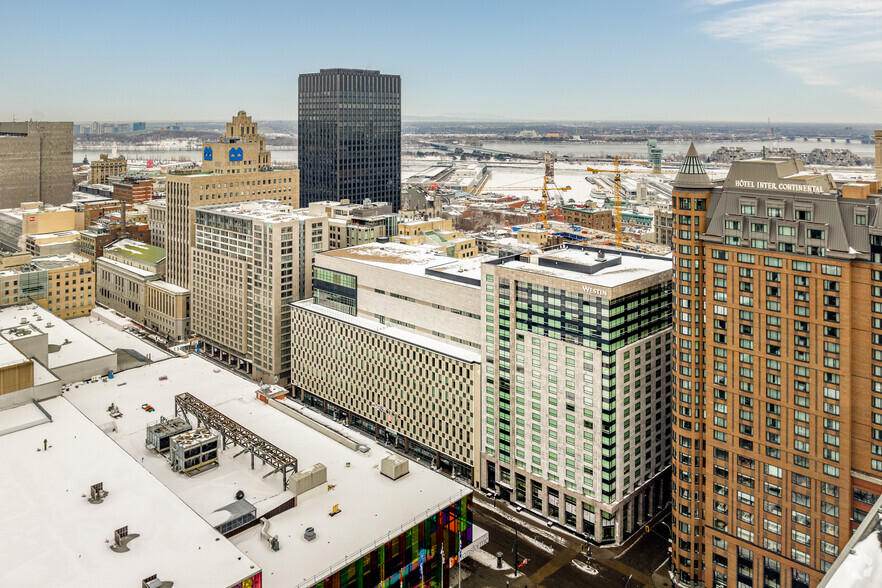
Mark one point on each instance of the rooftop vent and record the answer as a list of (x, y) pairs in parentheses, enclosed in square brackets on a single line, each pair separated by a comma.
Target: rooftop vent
[(97, 493), (154, 582), (309, 535), (394, 466), (121, 539)]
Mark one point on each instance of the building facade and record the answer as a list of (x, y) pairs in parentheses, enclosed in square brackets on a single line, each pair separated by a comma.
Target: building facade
[(249, 262), (106, 166), (598, 219), (778, 371), (664, 226), (156, 221), (63, 285), (349, 133), (237, 168), (420, 393), (576, 399), (33, 218), (133, 189), (123, 272), (35, 162)]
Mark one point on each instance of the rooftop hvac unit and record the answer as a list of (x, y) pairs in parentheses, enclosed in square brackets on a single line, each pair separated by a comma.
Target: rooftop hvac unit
[(193, 451), (394, 466)]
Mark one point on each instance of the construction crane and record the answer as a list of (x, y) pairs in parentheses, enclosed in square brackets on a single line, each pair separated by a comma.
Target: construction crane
[(617, 190), (547, 182)]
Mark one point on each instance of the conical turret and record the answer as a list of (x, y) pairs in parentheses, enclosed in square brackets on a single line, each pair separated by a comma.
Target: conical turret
[(692, 173)]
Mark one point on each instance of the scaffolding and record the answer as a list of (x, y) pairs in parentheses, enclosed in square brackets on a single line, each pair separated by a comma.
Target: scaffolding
[(231, 431)]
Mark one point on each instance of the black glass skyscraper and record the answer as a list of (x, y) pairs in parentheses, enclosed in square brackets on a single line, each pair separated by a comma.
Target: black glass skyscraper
[(349, 136)]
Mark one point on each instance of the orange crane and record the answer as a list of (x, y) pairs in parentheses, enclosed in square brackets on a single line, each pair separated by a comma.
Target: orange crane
[(617, 189), (547, 180)]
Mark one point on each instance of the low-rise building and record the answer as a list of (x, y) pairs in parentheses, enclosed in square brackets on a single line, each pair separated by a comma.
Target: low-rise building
[(64, 285), (415, 227), (106, 166), (599, 219), (33, 218), (133, 189), (45, 244), (449, 243), (664, 226), (92, 241), (354, 224), (130, 281), (167, 309)]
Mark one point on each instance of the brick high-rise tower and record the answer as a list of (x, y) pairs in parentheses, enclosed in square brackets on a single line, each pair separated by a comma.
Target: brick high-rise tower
[(777, 445)]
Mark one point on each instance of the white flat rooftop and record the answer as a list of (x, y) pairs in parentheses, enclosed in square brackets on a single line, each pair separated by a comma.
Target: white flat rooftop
[(54, 537), (168, 287), (9, 355), (114, 339), (373, 506), (125, 266), (410, 259), (630, 269), (467, 268), (266, 211), (74, 346)]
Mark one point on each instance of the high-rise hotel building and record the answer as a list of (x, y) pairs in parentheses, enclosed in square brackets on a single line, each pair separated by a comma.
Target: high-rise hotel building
[(349, 136), (249, 262), (575, 406), (777, 442), (235, 169)]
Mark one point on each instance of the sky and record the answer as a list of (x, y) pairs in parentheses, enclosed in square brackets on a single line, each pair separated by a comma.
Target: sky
[(581, 60)]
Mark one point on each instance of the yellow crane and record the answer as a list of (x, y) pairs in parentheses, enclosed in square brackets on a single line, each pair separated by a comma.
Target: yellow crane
[(617, 193), (547, 180)]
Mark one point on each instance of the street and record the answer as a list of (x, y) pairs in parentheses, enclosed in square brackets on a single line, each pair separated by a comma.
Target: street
[(553, 555)]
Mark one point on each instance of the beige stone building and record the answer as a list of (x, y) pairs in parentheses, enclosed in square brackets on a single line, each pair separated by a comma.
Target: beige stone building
[(235, 169), (416, 227), (123, 273), (249, 262), (156, 220), (33, 218), (167, 309), (130, 281), (63, 285), (106, 166), (449, 243)]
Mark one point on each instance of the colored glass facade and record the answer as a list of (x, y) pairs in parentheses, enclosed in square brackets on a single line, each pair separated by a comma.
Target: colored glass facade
[(423, 554)]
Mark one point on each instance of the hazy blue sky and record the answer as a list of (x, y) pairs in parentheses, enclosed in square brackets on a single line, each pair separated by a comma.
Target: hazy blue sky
[(736, 60)]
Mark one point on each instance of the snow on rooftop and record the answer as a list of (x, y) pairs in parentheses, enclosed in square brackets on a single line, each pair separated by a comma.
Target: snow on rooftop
[(9, 355), (469, 267), (73, 346), (394, 332), (168, 287), (373, 506), (411, 259), (266, 210), (113, 338), (130, 268), (631, 268), (55, 537)]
